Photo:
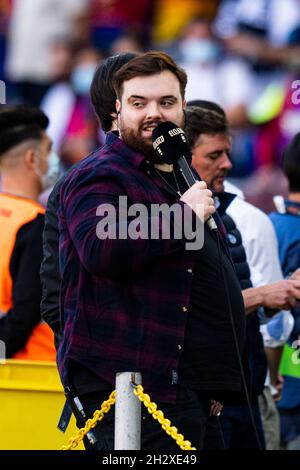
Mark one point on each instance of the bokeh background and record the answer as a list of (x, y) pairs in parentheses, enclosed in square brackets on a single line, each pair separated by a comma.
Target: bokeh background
[(242, 54)]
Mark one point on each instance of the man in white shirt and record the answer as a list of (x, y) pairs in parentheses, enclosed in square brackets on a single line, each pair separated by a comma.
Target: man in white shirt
[(249, 230)]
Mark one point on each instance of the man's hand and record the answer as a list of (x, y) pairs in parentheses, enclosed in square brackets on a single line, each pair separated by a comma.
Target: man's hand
[(281, 295), (295, 275), (199, 198), (278, 385), (215, 408)]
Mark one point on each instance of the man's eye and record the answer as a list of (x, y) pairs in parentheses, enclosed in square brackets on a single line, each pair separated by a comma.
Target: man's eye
[(166, 103), (137, 104)]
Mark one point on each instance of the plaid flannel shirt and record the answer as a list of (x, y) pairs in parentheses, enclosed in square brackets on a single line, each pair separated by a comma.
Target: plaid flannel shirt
[(124, 302)]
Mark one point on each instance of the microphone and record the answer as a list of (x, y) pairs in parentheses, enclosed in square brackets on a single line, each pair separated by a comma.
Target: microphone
[(170, 144)]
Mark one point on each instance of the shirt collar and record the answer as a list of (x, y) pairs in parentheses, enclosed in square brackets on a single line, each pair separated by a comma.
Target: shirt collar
[(223, 201)]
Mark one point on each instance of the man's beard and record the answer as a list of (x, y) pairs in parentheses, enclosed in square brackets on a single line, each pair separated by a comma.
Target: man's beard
[(218, 188), (141, 145)]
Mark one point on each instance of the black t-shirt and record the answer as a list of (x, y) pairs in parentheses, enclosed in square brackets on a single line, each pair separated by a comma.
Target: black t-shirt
[(209, 358)]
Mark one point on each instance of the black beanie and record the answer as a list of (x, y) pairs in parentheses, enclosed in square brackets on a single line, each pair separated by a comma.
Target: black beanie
[(20, 123)]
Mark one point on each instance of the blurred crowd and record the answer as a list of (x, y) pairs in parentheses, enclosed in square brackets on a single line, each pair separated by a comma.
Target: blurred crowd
[(244, 55)]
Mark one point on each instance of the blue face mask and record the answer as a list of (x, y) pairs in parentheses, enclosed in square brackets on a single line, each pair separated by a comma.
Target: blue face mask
[(49, 178), (201, 51), (81, 78)]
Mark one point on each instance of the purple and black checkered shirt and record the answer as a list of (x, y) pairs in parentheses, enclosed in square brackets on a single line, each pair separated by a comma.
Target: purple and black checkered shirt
[(124, 302)]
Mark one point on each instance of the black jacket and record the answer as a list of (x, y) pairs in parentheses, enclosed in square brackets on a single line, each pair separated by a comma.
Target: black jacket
[(49, 273)]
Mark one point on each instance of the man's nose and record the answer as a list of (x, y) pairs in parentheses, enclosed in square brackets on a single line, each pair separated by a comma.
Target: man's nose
[(153, 110), (226, 162)]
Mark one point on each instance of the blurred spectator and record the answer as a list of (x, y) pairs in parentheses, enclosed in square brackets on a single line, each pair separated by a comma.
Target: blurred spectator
[(264, 34), (287, 226), (276, 111), (262, 186), (112, 18), (258, 30), (212, 75), (217, 76), (171, 16), (5, 6), (276, 114), (26, 164), (34, 26), (73, 126), (127, 43)]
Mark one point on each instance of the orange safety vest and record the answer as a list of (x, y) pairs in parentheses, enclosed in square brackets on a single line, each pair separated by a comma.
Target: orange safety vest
[(15, 212)]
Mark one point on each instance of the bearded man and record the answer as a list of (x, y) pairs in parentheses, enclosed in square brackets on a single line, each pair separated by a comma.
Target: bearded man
[(131, 301)]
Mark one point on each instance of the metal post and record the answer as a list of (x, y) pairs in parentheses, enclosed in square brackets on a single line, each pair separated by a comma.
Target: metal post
[(127, 413)]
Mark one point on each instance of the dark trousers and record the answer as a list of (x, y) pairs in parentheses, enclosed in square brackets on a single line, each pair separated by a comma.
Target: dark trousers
[(190, 415), (238, 429)]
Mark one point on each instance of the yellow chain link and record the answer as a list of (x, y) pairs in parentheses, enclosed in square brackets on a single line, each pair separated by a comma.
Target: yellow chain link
[(98, 415), (165, 423), (91, 423)]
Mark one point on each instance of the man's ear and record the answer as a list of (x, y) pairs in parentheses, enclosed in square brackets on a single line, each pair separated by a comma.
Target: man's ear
[(29, 158), (118, 106), (184, 112)]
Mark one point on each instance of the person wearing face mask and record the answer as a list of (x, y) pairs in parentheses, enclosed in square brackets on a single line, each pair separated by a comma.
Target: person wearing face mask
[(212, 73), (73, 126), (27, 166)]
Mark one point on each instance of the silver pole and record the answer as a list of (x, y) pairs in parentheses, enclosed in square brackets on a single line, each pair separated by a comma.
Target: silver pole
[(127, 413)]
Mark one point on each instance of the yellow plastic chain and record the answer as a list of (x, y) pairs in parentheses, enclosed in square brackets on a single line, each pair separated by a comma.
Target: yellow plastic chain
[(166, 424), (138, 390), (91, 423)]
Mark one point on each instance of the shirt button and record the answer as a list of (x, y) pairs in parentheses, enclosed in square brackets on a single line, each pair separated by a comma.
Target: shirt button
[(148, 162), (148, 171), (190, 271), (184, 309), (179, 347)]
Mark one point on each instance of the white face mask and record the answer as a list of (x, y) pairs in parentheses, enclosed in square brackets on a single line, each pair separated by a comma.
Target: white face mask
[(200, 51), (49, 178), (82, 77)]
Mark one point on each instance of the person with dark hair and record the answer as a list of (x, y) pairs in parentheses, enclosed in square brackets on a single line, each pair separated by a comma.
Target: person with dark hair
[(27, 166), (291, 167), (103, 95), (287, 227), (149, 64), (147, 303), (103, 98), (253, 250), (204, 104)]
